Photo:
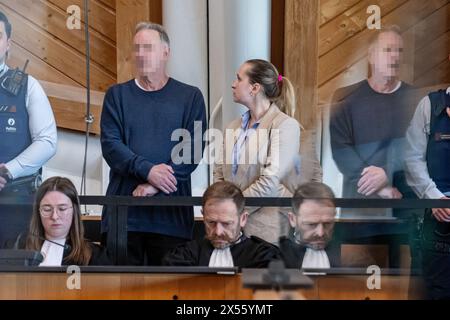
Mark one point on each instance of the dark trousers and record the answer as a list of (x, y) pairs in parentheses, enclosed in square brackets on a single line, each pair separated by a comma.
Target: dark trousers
[(149, 248), (14, 219), (436, 257)]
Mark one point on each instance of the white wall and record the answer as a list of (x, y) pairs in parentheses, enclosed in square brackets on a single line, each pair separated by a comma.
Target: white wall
[(246, 26), (186, 24), (68, 162)]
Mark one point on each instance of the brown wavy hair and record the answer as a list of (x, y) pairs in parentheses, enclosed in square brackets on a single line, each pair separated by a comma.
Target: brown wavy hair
[(81, 251)]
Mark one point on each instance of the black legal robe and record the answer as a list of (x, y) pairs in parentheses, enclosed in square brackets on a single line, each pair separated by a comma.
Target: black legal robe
[(250, 252), (293, 253)]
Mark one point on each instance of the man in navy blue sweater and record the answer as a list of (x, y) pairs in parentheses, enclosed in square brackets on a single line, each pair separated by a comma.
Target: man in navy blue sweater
[(138, 120)]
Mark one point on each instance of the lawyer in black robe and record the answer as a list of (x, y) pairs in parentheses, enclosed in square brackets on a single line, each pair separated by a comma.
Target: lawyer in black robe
[(250, 252), (293, 253)]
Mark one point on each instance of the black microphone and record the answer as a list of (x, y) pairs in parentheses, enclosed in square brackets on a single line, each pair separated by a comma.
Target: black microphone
[(66, 246)]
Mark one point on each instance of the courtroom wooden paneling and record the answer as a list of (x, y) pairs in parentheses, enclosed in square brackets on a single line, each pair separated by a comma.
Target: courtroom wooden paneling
[(102, 15), (343, 41), (439, 74), (110, 3), (301, 56), (432, 54), (144, 286), (351, 22), (106, 286), (53, 20), (57, 54), (346, 63), (70, 115), (277, 35), (349, 52), (330, 9), (38, 68)]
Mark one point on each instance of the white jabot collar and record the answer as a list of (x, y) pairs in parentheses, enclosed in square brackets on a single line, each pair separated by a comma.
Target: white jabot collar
[(53, 254), (315, 259), (222, 257)]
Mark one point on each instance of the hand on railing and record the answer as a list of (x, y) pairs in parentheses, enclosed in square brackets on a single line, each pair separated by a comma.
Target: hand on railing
[(442, 214), (390, 193), (145, 190)]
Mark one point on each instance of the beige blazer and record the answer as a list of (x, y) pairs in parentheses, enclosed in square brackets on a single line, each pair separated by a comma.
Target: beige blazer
[(264, 160), (306, 167)]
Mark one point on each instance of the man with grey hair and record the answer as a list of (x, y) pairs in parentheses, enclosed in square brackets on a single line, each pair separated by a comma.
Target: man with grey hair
[(368, 130), (138, 120)]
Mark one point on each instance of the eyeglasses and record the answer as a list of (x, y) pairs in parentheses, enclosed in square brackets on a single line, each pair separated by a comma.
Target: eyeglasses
[(47, 211)]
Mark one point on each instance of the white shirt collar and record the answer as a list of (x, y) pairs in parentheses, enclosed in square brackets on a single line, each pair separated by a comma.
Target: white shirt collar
[(448, 90), (139, 86), (399, 84)]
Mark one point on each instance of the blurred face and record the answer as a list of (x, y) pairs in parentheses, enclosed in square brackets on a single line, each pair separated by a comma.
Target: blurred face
[(4, 43), (222, 222), (314, 224), (385, 55), (56, 211), (150, 52), (243, 91)]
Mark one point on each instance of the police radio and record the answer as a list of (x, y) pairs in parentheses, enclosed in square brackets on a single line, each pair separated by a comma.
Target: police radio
[(14, 82)]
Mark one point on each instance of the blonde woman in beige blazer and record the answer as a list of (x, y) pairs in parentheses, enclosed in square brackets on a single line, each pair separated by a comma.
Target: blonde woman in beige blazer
[(260, 147)]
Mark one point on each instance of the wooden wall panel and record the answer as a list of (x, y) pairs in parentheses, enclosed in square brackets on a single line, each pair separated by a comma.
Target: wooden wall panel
[(432, 27), (425, 25), (70, 115), (156, 10), (330, 9), (38, 68), (432, 54), (439, 74), (277, 35), (110, 3), (102, 18), (338, 59), (351, 22), (37, 11), (301, 28), (57, 54)]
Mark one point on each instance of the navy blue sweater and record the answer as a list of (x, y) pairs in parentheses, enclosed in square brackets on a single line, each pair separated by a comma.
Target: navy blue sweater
[(136, 131)]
